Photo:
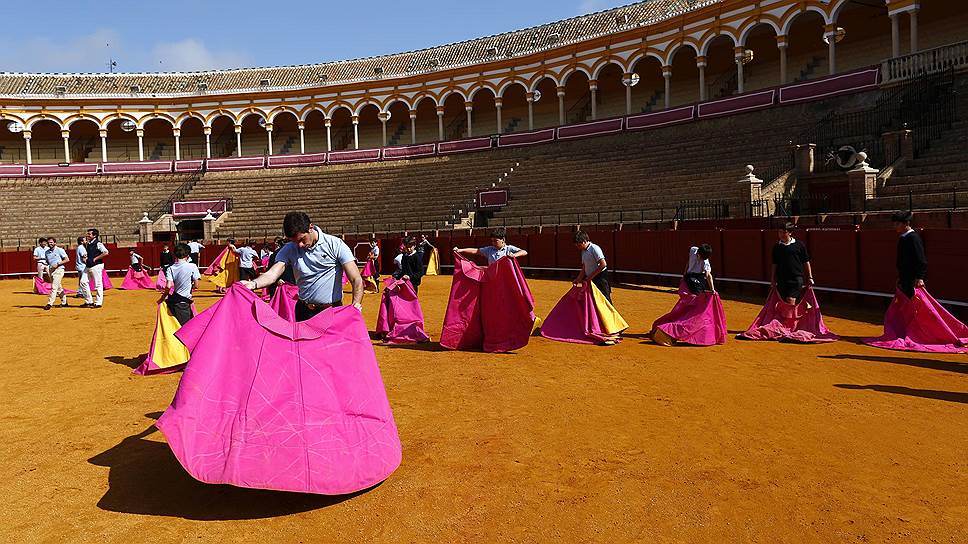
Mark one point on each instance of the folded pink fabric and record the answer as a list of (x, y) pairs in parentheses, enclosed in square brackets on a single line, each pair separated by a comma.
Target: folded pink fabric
[(576, 319), (921, 323), (42, 287), (698, 320), (401, 318), (490, 307), (284, 300), (134, 280), (269, 403), (162, 282), (368, 269), (779, 320)]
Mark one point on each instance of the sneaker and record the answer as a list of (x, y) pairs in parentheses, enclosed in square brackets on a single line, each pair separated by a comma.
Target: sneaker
[(64, 305), (98, 306), (47, 307)]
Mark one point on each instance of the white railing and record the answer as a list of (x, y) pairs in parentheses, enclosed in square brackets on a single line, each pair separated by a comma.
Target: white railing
[(928, 61)]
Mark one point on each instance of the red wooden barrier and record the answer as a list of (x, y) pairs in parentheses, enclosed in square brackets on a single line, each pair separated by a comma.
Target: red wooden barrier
[(947, 253), (742, 256), (542, 250), (876, 255), (833, 258)]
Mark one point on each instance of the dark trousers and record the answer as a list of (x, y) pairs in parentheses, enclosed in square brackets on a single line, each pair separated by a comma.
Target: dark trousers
[(906, 285), (789, 287), (304, 312), (180, 307), (194, 258), (601, 281), (696, 282), (136, 267), (247, 273)]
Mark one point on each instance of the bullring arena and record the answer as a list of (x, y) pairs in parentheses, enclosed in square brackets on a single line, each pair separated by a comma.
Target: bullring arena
[(656, 128)]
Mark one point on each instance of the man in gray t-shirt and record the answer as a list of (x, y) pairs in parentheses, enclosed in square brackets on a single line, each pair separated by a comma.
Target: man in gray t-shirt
[(182, 278), (318, 261), (593, 265), (498, 248)]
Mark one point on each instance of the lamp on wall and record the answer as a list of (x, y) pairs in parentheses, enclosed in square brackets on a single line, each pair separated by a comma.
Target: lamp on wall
[(747, 56), (15, 126), (632, 80), (838, 34), (128, 125), (536, 95)]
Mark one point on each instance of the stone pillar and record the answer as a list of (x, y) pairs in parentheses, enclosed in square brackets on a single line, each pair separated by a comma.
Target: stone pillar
[(860, 184), (413, 126), (755, 186), (701, 65), (208, 226), (329, 134), (208, 141), (177, 133), (628, 94), (667, 76), (65, 134), (895, 36), (593, 88), (914, 30), (530, 98), (561, 106), (141, 143), (356, 131), (269, 135), (804, 159), (469, 108), (144, 228), (498, 104), (830, 32), (103, 133), (238, 140), (899, 144), (383, 122), (738, 54), (440, 123), (302, 136), (781, 44), (27, 144)]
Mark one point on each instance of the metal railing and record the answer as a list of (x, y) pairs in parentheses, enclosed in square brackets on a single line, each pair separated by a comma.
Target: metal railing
[(164, 206), (929, 61)]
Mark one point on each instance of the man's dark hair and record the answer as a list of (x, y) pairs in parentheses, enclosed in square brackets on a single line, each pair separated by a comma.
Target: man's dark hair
[(230, 240), (295, 223), (499, 233), (52, 239), (280, 241), (581, 237), (902, 217), (409, 241), (80, 240), (705, 251), (94, 232), (41, 240), (789, 227), (182, 251)]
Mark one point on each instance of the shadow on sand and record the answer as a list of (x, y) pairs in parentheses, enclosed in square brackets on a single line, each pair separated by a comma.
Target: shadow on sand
[(947, 396)]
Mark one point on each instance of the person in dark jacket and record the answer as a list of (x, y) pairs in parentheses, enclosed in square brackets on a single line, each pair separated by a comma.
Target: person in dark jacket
[(912, 265), (411, 265), (791, 266), (167, 259)]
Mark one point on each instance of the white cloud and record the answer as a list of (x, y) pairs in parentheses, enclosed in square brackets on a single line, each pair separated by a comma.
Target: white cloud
[(591, 6), (190, 54)]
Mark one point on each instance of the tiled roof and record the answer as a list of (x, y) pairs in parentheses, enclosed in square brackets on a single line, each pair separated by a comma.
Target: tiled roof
[(476, 51)]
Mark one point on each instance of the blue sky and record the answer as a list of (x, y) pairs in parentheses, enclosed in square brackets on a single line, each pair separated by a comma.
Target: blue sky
[(200, 34)]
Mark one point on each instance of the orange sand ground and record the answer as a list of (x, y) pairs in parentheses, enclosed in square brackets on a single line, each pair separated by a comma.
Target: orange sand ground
[(747, 442)]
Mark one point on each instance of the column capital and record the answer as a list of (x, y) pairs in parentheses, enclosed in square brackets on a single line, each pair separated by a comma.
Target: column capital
[(300, 124), (328, 122), (355, 119), (700, 61), (413, 114), (440, 111), (238, 129), (268, 127), (561, 90), (829, 28), (26, 134), (103, 133), (65, 133), (175, 132), (469, 106), (667, 71), (207, 131), (140, 132), (781, 41), (498, 102), (529, 97)]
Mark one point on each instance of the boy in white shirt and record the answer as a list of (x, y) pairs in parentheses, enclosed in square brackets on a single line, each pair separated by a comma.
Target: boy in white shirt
[(40, 258), (699, 273)]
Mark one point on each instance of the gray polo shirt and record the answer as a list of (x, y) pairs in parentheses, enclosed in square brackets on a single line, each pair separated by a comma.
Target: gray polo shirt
[(590, 257), (55, 255), (181, 275), (246, 256), (195, 247), (319, 268), (80, 256), (492, 253)]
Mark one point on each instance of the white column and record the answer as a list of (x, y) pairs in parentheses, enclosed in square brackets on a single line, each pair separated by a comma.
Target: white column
[(27, 143), (208, 141), (830, 32), (104, 144), (177, 133), (469, 108), (356, 132), (383, 121), (238, 140), (895, 36), (329, 134), (530, 98), (269, 135), (413, 126), (141, 143), (302, 136), (65, 134), (701, 65), (914, 30), (628, 95), (593, 87), (440, 123), (782, 46), (740, 84), (667, 76), (561, 106), (498, 104)]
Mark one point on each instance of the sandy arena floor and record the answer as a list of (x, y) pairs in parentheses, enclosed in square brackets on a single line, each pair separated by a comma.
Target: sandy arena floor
[(747, 442)]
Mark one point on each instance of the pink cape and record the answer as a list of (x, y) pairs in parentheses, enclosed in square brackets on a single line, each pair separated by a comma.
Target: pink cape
[(164, 346), (369, 270), (265, 262), (921, 324), (779, 320), (698, 320), (576, 319), (136, 280), (268, 403), (43, 287), (490, 307), (216, 265), (162, 283), (284, 300), (401, 317)]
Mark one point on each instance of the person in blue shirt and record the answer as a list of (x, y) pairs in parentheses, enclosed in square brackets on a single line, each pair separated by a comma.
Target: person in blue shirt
[(594, 268), (498, 248), (247, 260), (183, 278), (56, 259)]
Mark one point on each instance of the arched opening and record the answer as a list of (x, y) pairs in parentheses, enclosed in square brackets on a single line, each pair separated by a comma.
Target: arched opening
[(514, 108), (611, 92), (578, 98), (939, 23), (684, 84), (159, 140), (426, 121), (222, 138), (341, 131), (722, 78), (84, 141), (314, 132), (192, 138), (122, 141), (371, 128), (484, 115), (455, 117), (546, 108), (255, 137), (649, 93), (764, 70), (867, 37), (398, 126), (285, 134), (806, 52), (13, 147)]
